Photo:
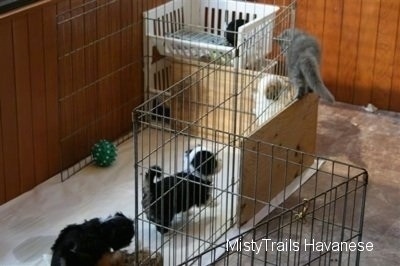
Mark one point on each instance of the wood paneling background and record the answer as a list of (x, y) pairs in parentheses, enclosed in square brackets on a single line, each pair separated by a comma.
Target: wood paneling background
[(361, 51), (71, 72), (360, 47), (99, 70), (28, 101)]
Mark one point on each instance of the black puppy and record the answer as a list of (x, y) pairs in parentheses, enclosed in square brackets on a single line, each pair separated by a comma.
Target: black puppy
[(232, 30), (163, 199), (84, 244)]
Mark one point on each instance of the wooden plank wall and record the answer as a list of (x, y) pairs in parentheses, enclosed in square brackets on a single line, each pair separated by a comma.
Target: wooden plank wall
[(100, 64), (70, 74), (270, 169), (361, 51), (28, 101)]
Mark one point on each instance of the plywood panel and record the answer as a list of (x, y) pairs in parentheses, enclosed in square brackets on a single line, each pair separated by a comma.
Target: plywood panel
[(331, 43), (64, 46), (269, 169), (91, 62), (77, 42), (316, 21), (78, 96), (217, 98), (67, 74), (127, 48), (52, 95), (9, 127), (23, 102), (90, 36), (109, 43), (38, 87), (6, 76), (302, 13), (115, 65), (359, 48), (385, 51), (2, 174), (104, 63), (348, 51), (395, 89), (368, 29)]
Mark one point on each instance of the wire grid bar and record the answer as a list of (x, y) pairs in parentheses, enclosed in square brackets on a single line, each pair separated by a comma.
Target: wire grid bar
[(95, 55), (216, 102), (187, 232), (334, 217), (335, 194), (218, 96), (70, 171), (250, 97)]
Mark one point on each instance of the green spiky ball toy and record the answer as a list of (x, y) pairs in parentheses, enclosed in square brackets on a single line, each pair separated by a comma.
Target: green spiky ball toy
[(104, 153)]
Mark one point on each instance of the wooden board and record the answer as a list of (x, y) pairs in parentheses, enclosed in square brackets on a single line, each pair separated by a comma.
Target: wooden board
[(268, 169), (203, 104), (217, 100), (359, 48), (10, 183)]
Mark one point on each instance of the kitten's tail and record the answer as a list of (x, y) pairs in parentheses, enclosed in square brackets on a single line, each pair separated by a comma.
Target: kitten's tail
[(310, 69), (154, 171)]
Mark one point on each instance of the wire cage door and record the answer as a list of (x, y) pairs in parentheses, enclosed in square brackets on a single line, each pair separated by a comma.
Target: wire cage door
[(296, 208), (267, 184), (321, 223)]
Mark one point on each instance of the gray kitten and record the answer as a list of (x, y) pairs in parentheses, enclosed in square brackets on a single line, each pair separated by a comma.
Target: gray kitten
[(303, 54)]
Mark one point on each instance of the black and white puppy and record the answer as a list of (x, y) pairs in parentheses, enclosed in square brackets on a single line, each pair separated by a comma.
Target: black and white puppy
[(177, 193), (201, 162), (84, 244)]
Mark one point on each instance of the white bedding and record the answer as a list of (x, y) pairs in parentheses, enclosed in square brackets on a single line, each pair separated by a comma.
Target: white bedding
[(199, 36), (30, 223)]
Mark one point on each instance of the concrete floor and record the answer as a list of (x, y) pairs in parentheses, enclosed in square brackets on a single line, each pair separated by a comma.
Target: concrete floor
[(370, 140)]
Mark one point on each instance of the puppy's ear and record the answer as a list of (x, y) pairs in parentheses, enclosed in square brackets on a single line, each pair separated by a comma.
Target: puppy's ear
[(118, 231), (204, 162), (120, 214)]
